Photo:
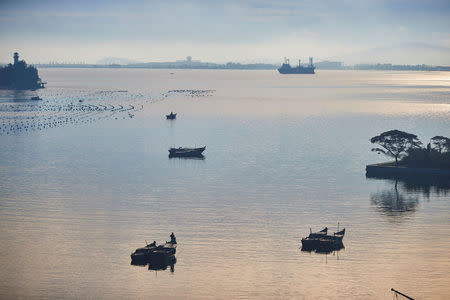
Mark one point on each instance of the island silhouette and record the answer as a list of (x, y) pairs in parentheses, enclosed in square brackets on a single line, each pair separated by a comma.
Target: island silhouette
[(20, 76)]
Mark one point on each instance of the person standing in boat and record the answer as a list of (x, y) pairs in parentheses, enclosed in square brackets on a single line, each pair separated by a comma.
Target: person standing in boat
[(173, 239)]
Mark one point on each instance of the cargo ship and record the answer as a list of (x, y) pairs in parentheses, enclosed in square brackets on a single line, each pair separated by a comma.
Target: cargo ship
[(287, 69)]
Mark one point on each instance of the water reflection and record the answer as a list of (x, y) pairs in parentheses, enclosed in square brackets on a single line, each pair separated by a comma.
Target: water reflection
[(324, 250), (20, 95), (425, 185), (403, 197), (157, 265), (393, 203), (11, 96), (198, 157)]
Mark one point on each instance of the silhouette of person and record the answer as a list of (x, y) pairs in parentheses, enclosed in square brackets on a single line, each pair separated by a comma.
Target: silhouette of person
[(173, 240)]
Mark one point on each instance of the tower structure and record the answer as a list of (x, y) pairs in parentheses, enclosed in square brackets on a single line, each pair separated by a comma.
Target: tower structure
[(16, 58)]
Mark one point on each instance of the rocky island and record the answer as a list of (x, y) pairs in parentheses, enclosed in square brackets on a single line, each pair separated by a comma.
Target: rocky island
[(19, 76)]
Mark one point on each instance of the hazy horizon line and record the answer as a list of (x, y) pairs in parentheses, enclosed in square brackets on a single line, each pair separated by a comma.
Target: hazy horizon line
[(243, 62)]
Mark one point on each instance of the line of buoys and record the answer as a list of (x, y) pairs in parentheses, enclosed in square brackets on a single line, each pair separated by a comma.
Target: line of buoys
[(21, 117), (16, 118)]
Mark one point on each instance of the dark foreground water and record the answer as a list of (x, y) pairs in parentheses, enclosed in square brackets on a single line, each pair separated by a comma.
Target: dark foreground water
[(85, 179)]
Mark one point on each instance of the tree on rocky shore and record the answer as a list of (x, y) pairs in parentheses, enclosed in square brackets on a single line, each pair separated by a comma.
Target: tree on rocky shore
[(395, 143)]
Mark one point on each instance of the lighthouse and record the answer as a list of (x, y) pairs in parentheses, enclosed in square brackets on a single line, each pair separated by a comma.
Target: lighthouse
[(16, 58)]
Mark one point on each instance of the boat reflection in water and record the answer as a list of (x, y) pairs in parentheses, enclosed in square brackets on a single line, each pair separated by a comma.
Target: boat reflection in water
[(321, 242), (160, 266), (156, 265), (199, 157)]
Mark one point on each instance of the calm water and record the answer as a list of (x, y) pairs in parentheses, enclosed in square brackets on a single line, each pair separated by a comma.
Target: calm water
[(85, 179)]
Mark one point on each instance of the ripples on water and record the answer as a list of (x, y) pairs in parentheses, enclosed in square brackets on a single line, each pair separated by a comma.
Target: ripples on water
[(284, 153), (20, 114)]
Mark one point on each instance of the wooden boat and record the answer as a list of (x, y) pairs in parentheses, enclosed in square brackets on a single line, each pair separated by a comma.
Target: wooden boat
[(171, 116), (322, 242), (186, 152), (160, 253), (140, 255), (157, 254)]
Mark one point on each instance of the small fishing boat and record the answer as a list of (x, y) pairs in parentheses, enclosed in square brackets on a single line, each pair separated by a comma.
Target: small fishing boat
[(186, 152), (155, 253), (141, 255), (171, 116), (322, 242), (36, 98)]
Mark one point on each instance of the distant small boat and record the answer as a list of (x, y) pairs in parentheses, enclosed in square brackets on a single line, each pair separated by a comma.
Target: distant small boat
[(186, 152), (36, 98), (171, 116)]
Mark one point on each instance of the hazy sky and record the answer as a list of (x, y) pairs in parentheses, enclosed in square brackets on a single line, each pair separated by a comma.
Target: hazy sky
[(352, 31)]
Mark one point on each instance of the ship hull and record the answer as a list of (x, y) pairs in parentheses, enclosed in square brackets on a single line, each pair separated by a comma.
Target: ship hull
[(186, 152), (296, 71)]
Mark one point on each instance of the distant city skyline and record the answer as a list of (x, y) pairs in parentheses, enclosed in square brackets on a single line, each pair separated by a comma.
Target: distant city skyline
[(247, 31), (189, 63)]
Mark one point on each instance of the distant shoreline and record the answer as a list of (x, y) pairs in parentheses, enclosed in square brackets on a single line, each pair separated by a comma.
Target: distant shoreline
[(243, 67), (198, 65)]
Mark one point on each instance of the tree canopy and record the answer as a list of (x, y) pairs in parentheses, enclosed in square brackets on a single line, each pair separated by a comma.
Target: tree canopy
[(441, 143), (395, 143), (20, 76)]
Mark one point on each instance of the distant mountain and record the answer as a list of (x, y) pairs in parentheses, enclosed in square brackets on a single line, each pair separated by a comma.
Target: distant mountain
[(116, 61)]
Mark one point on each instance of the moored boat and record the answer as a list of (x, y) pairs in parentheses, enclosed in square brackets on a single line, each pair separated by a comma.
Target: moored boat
[(171, 116), (155, 253), (322, 242), (141, 255), (186, 152)]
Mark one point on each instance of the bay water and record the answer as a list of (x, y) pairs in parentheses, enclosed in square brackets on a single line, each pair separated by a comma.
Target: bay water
[(85, 179)]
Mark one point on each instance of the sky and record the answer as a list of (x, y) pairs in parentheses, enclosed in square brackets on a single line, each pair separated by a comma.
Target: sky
[(246, 31)]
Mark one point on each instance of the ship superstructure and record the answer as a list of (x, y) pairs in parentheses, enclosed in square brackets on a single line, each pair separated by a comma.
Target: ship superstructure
[(287, 69)]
